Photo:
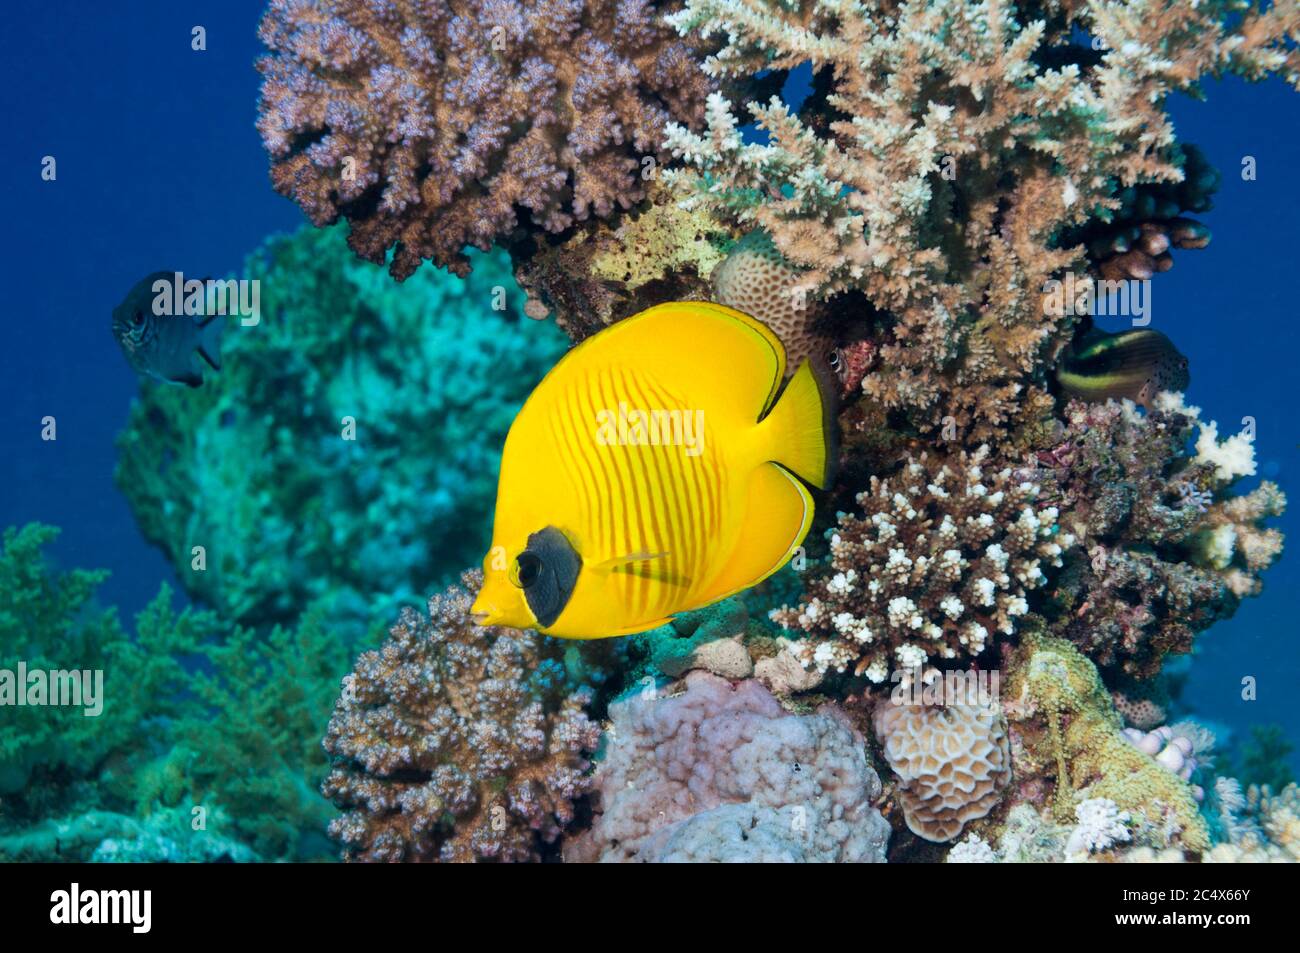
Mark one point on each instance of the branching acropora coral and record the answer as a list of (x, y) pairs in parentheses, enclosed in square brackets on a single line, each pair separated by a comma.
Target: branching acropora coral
[(435, 125), (940, 560), (947, 143), (456, 743)]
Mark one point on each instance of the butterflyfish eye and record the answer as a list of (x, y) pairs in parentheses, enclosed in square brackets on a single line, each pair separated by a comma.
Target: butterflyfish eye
[(138, 318), (547, 570), (833, 358), (529, 569)]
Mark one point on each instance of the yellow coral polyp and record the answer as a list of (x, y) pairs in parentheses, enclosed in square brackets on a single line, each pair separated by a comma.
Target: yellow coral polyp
[(1056, 685)]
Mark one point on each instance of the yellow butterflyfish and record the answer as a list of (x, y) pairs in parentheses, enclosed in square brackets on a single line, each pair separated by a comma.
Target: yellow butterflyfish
[(654, 470)]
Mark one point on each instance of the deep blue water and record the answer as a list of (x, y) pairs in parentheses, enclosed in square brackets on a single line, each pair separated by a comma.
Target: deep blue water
[(159, 166)]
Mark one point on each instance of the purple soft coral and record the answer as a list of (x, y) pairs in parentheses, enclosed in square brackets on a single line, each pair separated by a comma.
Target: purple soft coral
[(430, 125)]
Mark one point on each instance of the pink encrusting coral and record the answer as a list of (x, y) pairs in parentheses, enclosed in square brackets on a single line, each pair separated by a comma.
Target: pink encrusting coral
[(456, 743), (438, 124), (721, 772)]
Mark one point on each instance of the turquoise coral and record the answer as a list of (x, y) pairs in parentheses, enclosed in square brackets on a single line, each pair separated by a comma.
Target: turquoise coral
[(255, 467)]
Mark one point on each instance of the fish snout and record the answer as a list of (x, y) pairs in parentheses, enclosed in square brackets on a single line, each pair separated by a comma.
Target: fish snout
[(484, 613)]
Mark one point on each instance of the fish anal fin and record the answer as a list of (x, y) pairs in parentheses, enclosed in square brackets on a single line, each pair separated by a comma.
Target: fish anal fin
[(779, 505)]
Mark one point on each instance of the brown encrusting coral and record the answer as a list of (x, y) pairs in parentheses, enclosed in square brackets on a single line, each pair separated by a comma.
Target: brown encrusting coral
[(1164, 550), (437, 124), (456, 743)]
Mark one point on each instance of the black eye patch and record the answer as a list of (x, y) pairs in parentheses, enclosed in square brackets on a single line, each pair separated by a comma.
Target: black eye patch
[(548, 572)]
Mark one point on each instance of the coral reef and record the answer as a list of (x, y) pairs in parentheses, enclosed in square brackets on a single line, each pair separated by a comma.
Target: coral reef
[(456, 743), (755, 279), (952, 763), (432, 126), (1262, 827), (944, 149), (257, 466), (607, 271), (1164, 550), (721, 772), (941, 559), (1066, 733), (49, 754), (198, 720)]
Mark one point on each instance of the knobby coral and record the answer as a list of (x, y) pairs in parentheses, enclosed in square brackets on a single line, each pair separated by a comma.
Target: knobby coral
[(721, 772), (940, 560), (435, 125), (456, 743)]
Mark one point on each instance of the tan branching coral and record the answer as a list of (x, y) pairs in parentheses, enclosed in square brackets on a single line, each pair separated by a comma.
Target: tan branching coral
[(951, 763), (940, 560), (456, 743), (961, 141), (435, 125)]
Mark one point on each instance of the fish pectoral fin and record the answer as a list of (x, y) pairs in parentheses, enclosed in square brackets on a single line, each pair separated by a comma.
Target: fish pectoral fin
[(645, 566)]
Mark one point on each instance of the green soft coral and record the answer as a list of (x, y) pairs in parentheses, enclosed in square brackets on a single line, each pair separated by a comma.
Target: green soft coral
[(196, 715)]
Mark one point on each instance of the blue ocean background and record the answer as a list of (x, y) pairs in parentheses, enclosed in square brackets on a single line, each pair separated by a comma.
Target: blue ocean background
[(159, 166)]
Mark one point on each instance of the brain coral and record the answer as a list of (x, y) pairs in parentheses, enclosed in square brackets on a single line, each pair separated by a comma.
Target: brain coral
[(255, 466), (755, 279), (456, 743), (433, 125), (723, 773), (941, 558), (952, 763)]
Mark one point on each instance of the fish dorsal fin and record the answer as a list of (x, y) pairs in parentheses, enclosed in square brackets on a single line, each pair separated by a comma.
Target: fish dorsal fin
[(707, 331)]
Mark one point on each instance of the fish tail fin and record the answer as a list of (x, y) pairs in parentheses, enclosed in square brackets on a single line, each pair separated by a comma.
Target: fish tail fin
[(799, 432), (210, 340)]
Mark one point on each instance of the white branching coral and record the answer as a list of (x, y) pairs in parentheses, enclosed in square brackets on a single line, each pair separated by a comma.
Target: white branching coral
[(951, 547)]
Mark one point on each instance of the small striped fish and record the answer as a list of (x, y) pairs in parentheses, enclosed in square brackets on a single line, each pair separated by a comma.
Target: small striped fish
[(1136, 365), (654, 470)]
